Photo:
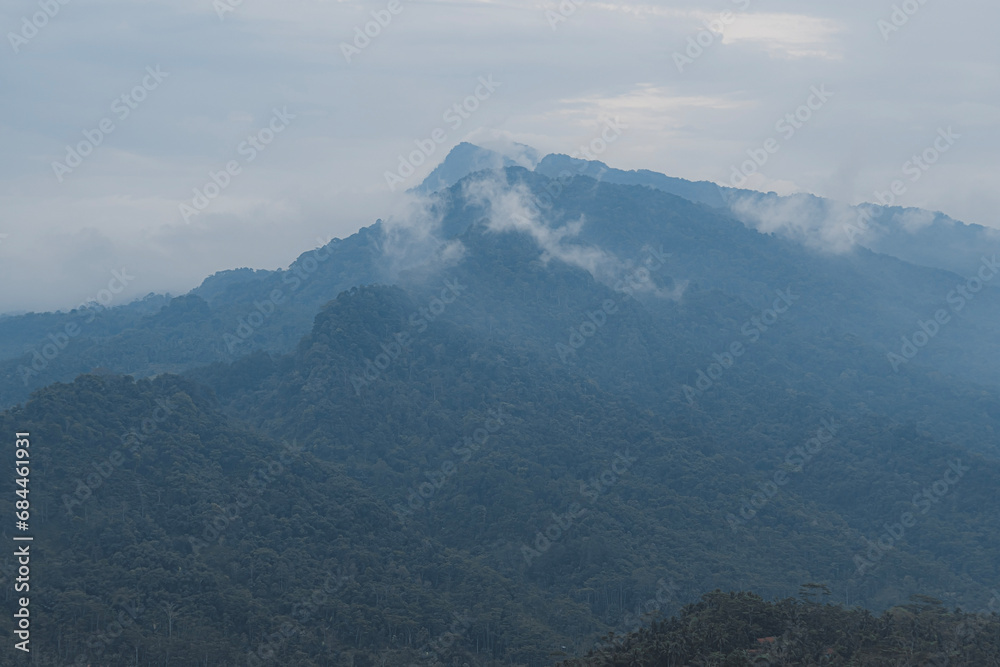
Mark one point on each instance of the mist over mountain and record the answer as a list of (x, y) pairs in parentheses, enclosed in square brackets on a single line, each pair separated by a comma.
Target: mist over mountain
[(500, 334), (543, 401), (378, 252), (468, 158)]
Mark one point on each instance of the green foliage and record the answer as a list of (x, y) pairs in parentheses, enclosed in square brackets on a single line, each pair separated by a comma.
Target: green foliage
[(741, 629), (466, 493)]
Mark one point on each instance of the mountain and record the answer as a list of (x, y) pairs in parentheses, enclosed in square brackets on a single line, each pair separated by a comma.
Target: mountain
[(702, 192), (466, 158), (917, 236), (166, 533), (572, 403), (466, 496), (229, 315), (914, 235), (38, 349)]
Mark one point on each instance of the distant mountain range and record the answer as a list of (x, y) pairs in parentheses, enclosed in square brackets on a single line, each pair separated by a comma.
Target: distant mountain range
[(37, 352), (557, 392), (921, 237)]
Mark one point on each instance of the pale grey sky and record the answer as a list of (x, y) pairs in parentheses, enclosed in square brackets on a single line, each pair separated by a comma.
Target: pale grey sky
[(199, 82)]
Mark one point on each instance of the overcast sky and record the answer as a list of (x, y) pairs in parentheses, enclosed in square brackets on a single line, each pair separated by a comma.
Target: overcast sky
[(561, 73)]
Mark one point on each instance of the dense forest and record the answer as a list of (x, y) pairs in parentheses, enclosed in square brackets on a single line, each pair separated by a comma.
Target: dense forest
[(489, 451), (743, 630)]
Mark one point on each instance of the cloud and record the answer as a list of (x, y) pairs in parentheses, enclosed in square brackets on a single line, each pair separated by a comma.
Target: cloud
[(761, 183), (412, 240), (646, 105), (326, 174), (787, 35), (815, 223), (513, 208), (504, 144), (914, 219)]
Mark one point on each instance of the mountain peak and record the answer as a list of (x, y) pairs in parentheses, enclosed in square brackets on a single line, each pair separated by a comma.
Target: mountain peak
[(467, 158)]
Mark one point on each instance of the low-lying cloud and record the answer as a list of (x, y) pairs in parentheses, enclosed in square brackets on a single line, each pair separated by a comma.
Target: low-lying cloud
[(511, 207)]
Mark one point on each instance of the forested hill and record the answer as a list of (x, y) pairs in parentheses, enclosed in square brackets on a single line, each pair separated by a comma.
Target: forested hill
[(167, 534), (476, 500), (209, 541), (232, 313), (875, 296), (389, 413), (552, 416), (742, 630)]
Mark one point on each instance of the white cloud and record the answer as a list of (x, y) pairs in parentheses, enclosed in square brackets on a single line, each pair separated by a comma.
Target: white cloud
[(325, 176), (787, 35), (913, 220), (814, 223), (512, 208), (645, 106)]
